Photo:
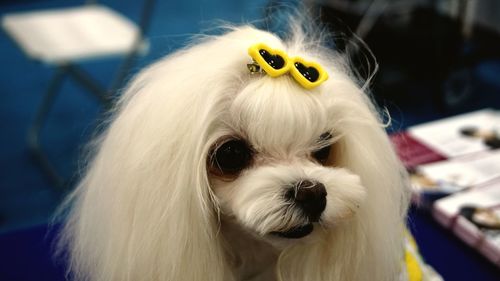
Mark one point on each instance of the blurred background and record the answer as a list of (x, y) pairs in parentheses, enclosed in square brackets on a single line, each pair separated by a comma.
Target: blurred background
[(436, 59)]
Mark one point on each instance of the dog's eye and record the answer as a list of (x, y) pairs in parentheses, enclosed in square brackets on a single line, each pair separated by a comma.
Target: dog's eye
[(323, 153), (231, 157)]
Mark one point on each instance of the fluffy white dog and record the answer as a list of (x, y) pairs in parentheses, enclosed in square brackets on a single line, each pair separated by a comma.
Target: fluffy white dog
[(209, 171)]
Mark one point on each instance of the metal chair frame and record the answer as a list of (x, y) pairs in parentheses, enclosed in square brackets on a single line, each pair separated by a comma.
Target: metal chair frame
[(105, 95)]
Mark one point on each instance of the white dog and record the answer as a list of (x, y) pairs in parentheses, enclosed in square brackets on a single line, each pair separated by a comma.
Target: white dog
[(209, 171)]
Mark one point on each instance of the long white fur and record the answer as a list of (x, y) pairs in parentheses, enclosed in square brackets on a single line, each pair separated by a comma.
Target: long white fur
[(147, 209)]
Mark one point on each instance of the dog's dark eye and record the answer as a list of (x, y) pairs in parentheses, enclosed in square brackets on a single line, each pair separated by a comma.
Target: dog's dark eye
[(231, 157), (322, 154)]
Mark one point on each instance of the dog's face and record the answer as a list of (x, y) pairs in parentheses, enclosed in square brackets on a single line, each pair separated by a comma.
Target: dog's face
[(274, 162)]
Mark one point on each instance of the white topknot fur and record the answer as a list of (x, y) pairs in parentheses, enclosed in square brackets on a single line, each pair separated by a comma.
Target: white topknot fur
[(148, 208)]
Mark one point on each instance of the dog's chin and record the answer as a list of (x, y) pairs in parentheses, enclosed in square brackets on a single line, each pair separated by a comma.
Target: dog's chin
[(295, 232), (279, 239), (307, 233)]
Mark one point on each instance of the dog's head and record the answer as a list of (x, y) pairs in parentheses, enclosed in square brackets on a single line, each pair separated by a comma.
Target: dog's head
[(274, 161), (198, 139)]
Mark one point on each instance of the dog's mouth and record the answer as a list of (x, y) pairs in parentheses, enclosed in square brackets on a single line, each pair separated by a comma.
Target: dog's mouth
[(296, 232)]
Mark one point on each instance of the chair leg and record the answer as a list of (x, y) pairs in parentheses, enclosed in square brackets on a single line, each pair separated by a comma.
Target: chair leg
[(37, 125), (90, 84)]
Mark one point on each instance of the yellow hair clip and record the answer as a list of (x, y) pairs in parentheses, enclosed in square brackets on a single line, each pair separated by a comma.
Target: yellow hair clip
[(309, 74), (276, 63)]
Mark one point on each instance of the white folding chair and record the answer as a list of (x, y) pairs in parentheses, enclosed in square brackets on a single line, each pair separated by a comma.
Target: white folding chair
[(64, 37)]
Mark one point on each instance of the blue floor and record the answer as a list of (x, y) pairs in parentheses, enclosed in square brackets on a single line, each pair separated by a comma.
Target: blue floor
[(28, 199)]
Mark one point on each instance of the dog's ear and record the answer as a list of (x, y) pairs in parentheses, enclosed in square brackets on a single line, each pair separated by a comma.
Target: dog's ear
[(145, 210)]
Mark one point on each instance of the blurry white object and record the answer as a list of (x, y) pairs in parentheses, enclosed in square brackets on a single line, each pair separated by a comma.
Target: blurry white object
[(464, 172), (72, 33), (62, 37), (445, 137)]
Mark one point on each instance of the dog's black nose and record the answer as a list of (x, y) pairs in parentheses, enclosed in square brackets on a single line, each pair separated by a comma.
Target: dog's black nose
[(310, 197)]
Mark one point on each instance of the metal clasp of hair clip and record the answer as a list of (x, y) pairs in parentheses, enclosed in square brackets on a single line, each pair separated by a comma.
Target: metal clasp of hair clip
[(254, 67)]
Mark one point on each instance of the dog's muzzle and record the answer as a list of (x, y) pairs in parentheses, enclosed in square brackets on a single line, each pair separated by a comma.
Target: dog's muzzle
[(310, 198)]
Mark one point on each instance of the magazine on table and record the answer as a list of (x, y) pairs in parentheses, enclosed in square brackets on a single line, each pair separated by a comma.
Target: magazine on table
[(460, 135), (474, 216), (438, 179), (451, 154)]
